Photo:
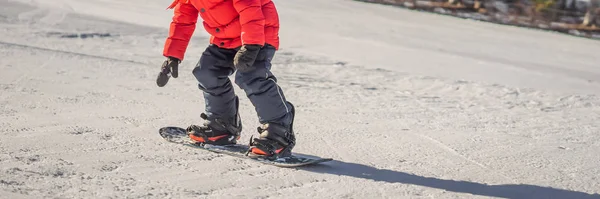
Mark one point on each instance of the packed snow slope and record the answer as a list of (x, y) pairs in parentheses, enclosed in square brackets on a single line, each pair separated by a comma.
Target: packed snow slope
[(409, 104)]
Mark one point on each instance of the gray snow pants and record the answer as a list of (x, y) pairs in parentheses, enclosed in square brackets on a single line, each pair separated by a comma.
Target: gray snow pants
[(260, 85)]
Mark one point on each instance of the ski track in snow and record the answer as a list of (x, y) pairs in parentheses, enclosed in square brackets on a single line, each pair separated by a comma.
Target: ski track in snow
[(79, 113), (67, 52), (452, 151)]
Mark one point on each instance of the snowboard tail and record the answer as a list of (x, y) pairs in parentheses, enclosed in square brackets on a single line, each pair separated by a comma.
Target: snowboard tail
[(179, 135)]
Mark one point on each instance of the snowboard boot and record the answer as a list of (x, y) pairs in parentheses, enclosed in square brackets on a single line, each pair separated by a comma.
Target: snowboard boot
[(217, 131), (275, 140)]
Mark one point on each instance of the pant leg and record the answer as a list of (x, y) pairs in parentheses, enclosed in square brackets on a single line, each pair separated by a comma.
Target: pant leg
[(261, 88), (212, 72)]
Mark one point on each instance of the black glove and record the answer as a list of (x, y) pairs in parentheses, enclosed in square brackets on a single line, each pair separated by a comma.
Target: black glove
[(245, 57), (169, 67)]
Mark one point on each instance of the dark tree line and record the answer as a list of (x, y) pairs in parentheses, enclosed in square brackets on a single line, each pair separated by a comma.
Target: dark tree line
[(561, 14)]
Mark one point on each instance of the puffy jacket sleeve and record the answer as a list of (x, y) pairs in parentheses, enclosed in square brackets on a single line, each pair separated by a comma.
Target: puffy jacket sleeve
[(181, 30), (252, 21)]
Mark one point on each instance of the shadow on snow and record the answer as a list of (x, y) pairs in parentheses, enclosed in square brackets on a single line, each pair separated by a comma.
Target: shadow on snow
[(516, 191)]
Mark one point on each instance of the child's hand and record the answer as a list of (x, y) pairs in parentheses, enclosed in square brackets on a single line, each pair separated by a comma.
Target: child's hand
[(169, 68), (245, 57)]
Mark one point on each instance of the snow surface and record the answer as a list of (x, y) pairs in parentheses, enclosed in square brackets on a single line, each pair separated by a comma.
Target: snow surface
[(409, 104)]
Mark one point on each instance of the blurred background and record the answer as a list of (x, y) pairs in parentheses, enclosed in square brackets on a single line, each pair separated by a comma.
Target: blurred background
[(575, 17)]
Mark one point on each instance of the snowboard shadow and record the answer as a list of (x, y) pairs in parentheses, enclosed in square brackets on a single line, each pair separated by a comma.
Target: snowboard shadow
[(516, 191)]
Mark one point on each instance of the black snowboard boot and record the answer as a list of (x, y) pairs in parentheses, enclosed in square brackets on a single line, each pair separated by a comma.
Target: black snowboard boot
[(217, 131), (275, 140)]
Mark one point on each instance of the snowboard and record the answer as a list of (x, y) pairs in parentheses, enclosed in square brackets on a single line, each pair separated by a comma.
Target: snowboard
[(179, 135)]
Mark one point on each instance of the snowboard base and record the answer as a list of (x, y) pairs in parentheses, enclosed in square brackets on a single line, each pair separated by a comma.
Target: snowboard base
[(179, 135)]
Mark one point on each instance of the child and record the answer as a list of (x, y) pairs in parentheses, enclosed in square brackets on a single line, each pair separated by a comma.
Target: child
[(244, 38)]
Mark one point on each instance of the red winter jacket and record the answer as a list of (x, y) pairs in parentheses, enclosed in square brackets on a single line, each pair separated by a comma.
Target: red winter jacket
[(230, 23)]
